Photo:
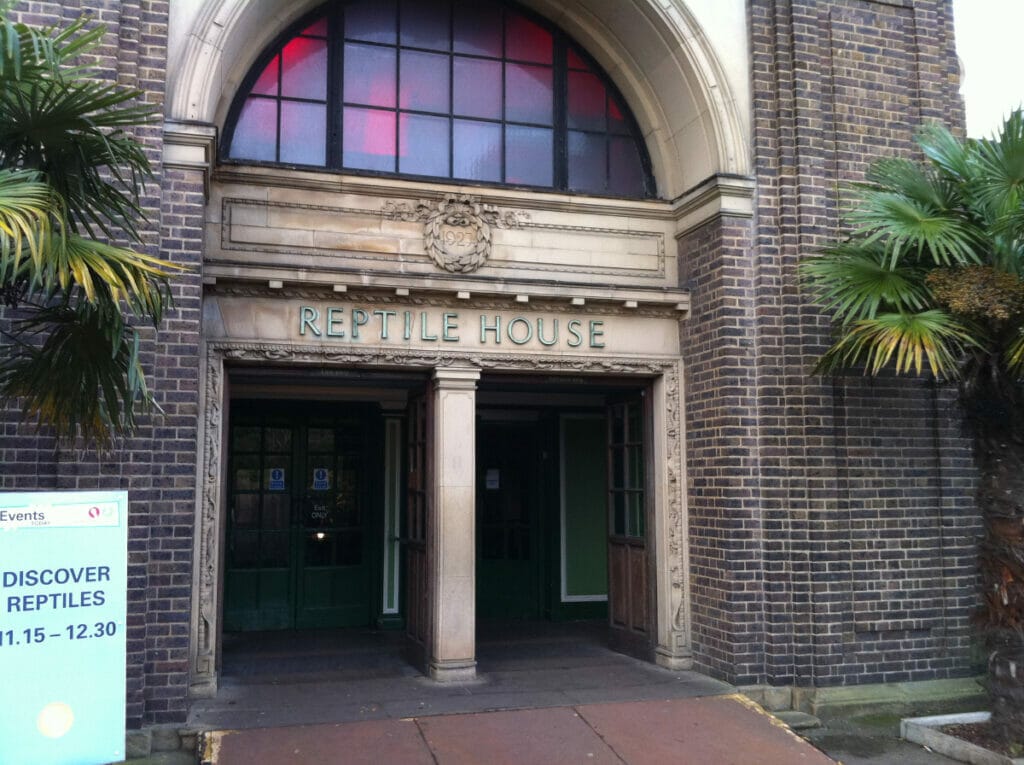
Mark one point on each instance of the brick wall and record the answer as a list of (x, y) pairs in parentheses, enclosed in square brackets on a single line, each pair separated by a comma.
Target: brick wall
[(833, 524), (157, 466)]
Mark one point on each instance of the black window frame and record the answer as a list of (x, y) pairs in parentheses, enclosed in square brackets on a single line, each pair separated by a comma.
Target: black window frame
[(333, 11)]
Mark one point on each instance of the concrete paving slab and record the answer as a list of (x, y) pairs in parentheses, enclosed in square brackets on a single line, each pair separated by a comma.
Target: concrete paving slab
[(714, 730), (535, 736), (725, 730), (372, 743)]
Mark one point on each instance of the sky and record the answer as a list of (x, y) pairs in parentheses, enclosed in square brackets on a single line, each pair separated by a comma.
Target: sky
[(988, 41)]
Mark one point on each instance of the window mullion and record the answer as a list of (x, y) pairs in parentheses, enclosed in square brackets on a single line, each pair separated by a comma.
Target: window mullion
[(335, 83), (560, 147)]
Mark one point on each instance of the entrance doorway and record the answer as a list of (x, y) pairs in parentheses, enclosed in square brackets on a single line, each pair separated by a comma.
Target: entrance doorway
[(561, 506), (299, 526), (510, 520)]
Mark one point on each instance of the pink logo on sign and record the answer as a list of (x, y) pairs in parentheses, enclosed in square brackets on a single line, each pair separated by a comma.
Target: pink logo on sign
[(94, 512)]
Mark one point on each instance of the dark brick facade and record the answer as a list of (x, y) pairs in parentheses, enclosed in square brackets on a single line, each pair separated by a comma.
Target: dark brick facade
[(157, 466), (832, 525)]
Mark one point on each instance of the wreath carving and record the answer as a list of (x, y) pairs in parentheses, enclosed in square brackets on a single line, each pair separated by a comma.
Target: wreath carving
[(456, 229)]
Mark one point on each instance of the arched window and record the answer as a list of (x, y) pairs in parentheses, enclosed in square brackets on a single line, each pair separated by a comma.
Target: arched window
[(455, 89)]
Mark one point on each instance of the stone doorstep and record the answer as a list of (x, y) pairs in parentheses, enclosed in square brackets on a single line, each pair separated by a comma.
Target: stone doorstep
[(925, 731), (159, 738)]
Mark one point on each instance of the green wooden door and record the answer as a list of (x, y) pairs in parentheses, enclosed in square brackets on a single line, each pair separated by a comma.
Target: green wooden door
[(507, 494), (297, 553)]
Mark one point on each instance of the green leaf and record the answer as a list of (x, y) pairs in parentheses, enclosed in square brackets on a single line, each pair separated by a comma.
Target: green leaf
[(856, 280), (906, 342)]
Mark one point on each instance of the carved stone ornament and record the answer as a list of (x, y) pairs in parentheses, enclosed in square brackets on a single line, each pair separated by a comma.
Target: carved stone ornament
[(456, 229)]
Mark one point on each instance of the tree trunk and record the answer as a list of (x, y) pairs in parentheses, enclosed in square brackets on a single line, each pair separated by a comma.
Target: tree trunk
[(998, 425)]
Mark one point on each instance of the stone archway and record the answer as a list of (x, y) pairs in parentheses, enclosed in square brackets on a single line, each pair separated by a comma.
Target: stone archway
[(656, 52)]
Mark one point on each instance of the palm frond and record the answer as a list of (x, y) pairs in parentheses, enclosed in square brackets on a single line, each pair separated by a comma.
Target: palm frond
[(107, 273), (855, 281), (27, 52), (907, 341), (951, 156), (998, 182), (25, 205), (912, 227), (84, 379), (1013, 356)]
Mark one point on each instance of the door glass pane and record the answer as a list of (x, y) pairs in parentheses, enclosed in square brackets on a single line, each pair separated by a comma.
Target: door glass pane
[(346, 500), (528, 156), (587, 165), (636, 515), (276, 511), (304, 69), (369, 139), (618, 513), (586, 102), (527, 41), (256, 131), (635, 429), (245, 439), (274, 549), (618, 469), (477, 28), (349, 548), (247, 473), (303, 136), (321, 439), (245, 511), (277, 440), (245, 549), (372, 20), (425, 24), (319, 474), (636, 467), (369, 75), (319, 549), (318, 512), (424, 145), (528, 94), (424, 79), (477, 90), (618, 425), (477, 147)]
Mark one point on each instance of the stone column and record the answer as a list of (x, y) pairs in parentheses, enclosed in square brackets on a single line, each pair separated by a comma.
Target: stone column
[(451, 531)]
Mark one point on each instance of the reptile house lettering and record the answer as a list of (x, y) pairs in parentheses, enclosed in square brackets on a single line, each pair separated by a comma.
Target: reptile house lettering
[(377, 324)]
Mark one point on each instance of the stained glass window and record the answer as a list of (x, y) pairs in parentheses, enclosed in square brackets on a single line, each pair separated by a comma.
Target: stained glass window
[(454, 89)]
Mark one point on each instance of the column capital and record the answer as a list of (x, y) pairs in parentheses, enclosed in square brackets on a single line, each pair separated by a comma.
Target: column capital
[(459, 378)]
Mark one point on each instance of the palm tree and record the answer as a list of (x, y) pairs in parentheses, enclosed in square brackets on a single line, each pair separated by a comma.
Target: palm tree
[(929, 282), (70, 183)]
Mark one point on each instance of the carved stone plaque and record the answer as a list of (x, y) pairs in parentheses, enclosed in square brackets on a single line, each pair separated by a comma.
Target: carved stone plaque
[(456, 229)]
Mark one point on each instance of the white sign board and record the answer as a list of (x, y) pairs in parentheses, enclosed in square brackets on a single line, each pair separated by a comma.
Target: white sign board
[(63, 607)]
